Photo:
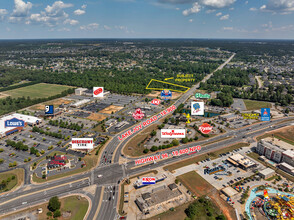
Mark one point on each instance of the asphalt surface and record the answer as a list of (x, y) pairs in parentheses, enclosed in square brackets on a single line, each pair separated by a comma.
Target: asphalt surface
[(112, 172)]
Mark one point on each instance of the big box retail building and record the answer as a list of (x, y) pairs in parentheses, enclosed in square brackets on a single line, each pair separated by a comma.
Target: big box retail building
[(28, 120)]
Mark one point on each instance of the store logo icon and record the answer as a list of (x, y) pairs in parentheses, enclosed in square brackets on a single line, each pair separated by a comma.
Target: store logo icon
[(98, 91)]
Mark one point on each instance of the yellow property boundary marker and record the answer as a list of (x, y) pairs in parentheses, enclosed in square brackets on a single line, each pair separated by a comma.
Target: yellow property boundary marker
[(187, 88)]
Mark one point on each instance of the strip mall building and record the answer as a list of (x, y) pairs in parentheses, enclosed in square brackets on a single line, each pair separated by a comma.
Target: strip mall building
[(29, 120)]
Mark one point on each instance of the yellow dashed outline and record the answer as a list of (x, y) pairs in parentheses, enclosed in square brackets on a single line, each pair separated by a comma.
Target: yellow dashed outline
[(187, 88)]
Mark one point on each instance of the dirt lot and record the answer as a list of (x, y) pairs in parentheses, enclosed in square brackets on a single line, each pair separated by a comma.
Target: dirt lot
[(286, 134), (112, 108), (2, 95), (56, 103), (96, 117), (200, 187)]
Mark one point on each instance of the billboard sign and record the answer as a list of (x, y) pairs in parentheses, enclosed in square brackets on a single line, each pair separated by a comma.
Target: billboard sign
[(155, 102), (148, 180), (98, 92), (205, 128), (138, 114), (49, 109), (197, 108), (265, 114), (202, 96), (209, 171), (82, 143), (14, 122), (173, 133), (166, 94)]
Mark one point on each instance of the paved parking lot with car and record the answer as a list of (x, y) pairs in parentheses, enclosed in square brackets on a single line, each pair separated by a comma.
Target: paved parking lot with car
[(232, 174)]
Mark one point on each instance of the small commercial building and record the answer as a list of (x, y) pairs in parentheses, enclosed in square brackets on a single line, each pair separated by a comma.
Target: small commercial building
[(80, 91), (241, 161), (287, 168), (229, 191), (158, 197), (229, 117), (80, 102), (267, 173), (110, 122), (57, 161), (121, 124)]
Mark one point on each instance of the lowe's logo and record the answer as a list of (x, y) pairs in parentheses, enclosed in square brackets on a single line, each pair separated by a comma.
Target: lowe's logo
[(14, 122)]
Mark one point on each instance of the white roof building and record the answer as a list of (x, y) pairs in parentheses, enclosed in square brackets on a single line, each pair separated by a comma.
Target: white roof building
[(26, 118)]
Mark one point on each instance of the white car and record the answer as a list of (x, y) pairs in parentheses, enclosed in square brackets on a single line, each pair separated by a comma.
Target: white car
[(99, 176)]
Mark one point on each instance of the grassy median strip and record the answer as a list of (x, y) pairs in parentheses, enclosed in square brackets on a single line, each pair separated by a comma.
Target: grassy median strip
[(10, 181)]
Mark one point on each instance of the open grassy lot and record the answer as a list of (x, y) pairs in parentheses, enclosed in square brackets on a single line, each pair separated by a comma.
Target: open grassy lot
[(256, 105), (211, 155), (41, 90), (195, 183), (19, 178), (285, 135), (76, 205), (178, 213), (200, 187), (135, 146)]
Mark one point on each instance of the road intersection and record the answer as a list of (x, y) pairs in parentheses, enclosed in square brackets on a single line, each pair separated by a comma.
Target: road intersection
[(104, 201)]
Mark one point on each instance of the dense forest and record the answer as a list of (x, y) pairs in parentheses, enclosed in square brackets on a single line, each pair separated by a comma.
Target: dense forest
[(233, 83)]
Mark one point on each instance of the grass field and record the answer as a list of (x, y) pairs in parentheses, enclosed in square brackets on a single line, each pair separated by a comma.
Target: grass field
[(76, 205), (134, 147), (41, 90), (78, 208), (285, 135), (256, 105), (19, 178), (195, 183), (212, 155), (200, 187), (178, 213)]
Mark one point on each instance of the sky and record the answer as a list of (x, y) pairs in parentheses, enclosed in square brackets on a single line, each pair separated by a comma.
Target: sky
[(43, 19)]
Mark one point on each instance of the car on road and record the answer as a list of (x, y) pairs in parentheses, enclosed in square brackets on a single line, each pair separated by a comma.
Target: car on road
[(99, 176)]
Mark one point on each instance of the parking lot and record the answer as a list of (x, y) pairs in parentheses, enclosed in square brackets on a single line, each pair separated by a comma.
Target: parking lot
[(31, 139), (95, 107), (231, 175)]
